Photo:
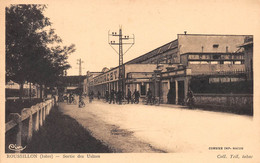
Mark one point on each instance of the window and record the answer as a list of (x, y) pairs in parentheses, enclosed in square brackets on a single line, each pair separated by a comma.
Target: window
[(215, 45), (115, 74), (193, 56), (227, 62), (214, 62), (237, 62), (143, 88), (204, 62), (216, 56), (194, 62), (111, 76)]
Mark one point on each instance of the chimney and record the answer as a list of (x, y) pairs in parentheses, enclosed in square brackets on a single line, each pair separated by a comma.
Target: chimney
[(185, 32)]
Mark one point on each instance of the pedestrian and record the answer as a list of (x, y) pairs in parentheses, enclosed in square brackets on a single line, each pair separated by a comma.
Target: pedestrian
[(91, 96), (129, 98), (107, 95), (134, 95), (70, 98), (120, 97), (169, 97), (81, 102), (116, 96), (149, 96), (112, 96), (190, 99), (98, 95), (137, 96)]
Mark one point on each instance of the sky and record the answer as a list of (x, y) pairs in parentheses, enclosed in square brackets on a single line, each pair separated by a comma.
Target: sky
[(154, 23)]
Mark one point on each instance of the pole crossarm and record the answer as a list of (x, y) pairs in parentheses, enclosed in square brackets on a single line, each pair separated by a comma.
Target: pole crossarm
[(79, 62), (120, 52)]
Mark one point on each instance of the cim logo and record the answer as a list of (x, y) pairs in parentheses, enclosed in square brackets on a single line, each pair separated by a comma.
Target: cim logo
[(14, 147)]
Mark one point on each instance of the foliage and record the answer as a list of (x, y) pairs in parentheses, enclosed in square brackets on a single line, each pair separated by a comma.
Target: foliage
[(33, 50)]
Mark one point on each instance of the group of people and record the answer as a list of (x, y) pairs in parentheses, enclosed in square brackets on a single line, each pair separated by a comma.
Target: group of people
[(117, 96), (135, 95), (70, 98)]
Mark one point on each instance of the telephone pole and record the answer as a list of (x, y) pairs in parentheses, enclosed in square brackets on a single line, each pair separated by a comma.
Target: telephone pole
[(79, 63), (121, 38), (80, 90)]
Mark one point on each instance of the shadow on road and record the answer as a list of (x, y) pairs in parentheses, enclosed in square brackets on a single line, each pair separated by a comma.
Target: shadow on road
[(62, 134)]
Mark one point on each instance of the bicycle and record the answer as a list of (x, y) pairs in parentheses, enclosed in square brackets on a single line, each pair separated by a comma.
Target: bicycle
[(81, 104), (153, 101), (156, 101), (190, 102), (90, 99)]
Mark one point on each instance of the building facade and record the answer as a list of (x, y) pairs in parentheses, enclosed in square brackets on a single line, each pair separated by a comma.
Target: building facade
[(169, 68)]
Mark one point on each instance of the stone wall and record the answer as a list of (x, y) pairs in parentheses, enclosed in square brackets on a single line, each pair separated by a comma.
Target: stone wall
[(237, 103)]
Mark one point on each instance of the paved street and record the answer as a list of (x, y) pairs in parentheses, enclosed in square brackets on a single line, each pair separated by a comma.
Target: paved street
[(142, 128)]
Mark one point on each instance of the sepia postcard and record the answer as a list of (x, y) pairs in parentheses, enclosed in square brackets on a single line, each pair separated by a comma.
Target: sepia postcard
[(129, 81)]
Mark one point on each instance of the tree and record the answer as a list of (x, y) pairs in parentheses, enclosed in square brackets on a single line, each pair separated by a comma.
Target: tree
[(29, 54)]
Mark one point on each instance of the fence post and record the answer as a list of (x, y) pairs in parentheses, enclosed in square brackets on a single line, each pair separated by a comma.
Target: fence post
[(27, 113), (47, 108), (44, 111), (40, 117), (18, 119), (36, 117)]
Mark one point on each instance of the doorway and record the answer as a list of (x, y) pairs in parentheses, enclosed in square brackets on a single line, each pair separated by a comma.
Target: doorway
[(181, 95), (172, 93)]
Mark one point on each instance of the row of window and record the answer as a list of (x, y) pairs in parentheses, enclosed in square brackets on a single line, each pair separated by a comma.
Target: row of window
[(216, 56), (217, 62)]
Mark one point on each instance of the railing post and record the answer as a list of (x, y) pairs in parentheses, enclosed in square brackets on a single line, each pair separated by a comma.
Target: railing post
[(36, 117), (27, 113), (18, 119), (47, 108), (44, 111), (40, 117)]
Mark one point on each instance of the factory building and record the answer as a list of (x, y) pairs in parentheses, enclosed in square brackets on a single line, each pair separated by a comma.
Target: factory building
[(170, 68)]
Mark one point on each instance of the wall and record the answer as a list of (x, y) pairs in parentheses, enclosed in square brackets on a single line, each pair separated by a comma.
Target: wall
[(139, 68), (194, 43), (237, 103), (184, 59), (204, 68), (248, 56)]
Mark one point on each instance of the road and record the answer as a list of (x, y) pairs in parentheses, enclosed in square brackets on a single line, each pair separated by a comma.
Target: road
[(136, 128)]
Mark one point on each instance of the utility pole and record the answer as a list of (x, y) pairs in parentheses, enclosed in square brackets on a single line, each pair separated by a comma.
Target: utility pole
[(79, 63), (121, 38)]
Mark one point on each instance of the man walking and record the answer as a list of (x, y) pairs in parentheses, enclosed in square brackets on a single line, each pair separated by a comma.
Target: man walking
[(137, 96), (129, 98), (112, 96), (149, 96)]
